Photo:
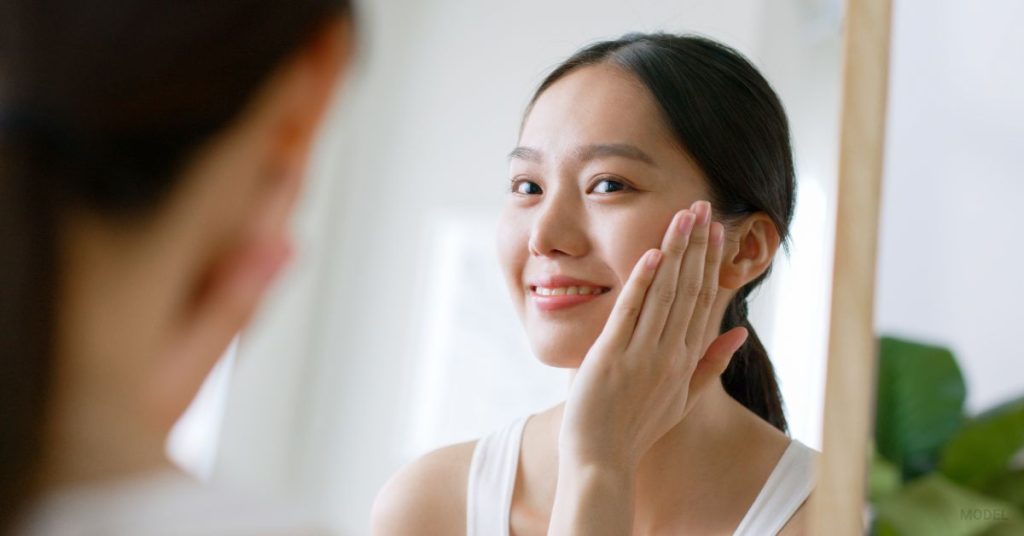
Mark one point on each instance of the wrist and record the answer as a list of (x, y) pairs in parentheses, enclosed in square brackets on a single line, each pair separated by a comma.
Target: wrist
[(574, 471), (605, 460), (592, 499)]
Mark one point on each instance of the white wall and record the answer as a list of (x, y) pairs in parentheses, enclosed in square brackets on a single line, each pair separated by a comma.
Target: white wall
[(950, 258), (393, 333)]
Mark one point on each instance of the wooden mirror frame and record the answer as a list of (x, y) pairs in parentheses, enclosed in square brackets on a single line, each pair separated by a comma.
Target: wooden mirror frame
[(837, 505)]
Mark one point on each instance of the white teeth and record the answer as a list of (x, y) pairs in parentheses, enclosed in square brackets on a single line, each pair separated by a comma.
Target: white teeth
[(567, 291)]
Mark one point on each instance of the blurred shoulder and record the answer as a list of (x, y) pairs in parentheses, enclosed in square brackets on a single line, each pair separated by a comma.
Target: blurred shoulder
[(164, 503), (427, 496)]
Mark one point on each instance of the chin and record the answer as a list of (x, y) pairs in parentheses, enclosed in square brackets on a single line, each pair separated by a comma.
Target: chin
[(558, 354)]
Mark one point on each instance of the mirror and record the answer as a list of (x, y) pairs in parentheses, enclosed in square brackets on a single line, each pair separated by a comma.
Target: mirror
[(394, 333)]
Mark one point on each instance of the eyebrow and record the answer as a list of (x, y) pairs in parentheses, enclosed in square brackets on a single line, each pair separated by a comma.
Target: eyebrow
[(589, 152), (525, 153)]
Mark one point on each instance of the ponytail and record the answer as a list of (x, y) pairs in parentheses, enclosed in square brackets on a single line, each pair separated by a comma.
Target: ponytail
[(27, 318), (750, 376)]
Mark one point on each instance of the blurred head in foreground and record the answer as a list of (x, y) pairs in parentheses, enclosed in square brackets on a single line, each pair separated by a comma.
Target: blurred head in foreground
[(150, 153)]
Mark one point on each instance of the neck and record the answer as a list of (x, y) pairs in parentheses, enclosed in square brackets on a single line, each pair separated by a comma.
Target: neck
[(701, 448), (719, 450)]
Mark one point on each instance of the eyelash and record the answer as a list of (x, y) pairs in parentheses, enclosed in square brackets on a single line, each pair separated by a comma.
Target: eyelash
[(623, 185), (513, 188)]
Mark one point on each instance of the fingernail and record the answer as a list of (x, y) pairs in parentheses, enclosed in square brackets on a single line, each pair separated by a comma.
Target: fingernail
[(703, 212), (653, 257), (686, 222), (746, 335)]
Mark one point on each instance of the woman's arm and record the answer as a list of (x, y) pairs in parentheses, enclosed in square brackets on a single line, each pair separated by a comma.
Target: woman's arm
[(640, 377), (592, 500)]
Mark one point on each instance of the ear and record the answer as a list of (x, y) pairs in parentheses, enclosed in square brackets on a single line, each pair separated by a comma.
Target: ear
[(749, 250), (299, 96), (261, 171)]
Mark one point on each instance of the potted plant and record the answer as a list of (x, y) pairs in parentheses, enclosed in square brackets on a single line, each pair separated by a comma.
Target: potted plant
[(936, 471)]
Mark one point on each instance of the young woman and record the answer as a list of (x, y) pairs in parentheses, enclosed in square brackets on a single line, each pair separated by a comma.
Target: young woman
[(674, 421), (149, 156)]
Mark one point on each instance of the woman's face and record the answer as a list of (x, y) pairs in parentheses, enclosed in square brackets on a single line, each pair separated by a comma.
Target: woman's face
[(595, 182)]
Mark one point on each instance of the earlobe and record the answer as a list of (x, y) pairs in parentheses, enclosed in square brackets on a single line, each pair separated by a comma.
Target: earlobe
[(749, 250), (218, 314)]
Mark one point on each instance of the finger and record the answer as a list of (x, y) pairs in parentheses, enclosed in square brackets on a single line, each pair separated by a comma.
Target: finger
[(716, 359), (663, 292), (691, 276), (618, 331), (709, 290), (230, 299)]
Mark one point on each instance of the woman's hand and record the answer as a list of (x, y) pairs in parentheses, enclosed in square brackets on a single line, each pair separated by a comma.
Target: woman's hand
[(641, 375)]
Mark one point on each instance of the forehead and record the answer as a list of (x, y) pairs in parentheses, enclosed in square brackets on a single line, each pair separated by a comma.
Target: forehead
[(596, 104)]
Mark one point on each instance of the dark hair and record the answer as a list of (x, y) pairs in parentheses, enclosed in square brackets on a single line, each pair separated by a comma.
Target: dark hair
[(101, 104), (726, 116)]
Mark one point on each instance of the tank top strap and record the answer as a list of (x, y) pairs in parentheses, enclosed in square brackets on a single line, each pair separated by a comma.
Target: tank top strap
[(492, 479), (787, 487)]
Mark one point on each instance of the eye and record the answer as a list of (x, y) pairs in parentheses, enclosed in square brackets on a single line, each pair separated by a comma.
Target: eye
[(609, 186), (525, 187)]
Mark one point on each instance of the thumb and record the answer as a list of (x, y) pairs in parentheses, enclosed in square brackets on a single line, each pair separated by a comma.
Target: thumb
[(717, 358)]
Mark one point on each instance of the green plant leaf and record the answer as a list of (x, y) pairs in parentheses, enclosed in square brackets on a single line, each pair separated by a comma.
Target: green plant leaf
[(982, 450), (935, 506), (1006, 528), (1008, 487), (920, 404), (881, 528), (883, 478)]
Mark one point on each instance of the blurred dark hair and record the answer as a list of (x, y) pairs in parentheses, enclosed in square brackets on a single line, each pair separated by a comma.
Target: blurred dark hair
[(101, 103), (726, 116)]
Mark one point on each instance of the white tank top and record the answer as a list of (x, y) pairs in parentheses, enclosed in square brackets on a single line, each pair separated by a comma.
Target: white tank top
[(492, 478)]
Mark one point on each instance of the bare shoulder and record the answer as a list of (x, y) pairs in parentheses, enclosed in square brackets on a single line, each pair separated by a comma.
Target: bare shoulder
[(797, 524), (426, 497)]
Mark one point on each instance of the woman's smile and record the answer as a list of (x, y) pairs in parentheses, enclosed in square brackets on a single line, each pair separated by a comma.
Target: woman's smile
[(595, 179), (557, 292)]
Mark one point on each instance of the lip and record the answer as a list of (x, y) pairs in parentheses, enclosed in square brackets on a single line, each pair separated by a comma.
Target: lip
[(556, 303)]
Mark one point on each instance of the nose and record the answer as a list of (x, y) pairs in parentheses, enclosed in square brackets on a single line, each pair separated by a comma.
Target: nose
[(559, 227)]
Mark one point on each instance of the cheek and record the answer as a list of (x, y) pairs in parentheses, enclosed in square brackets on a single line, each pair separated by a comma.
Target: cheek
[(625, 239), (512, 246)]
